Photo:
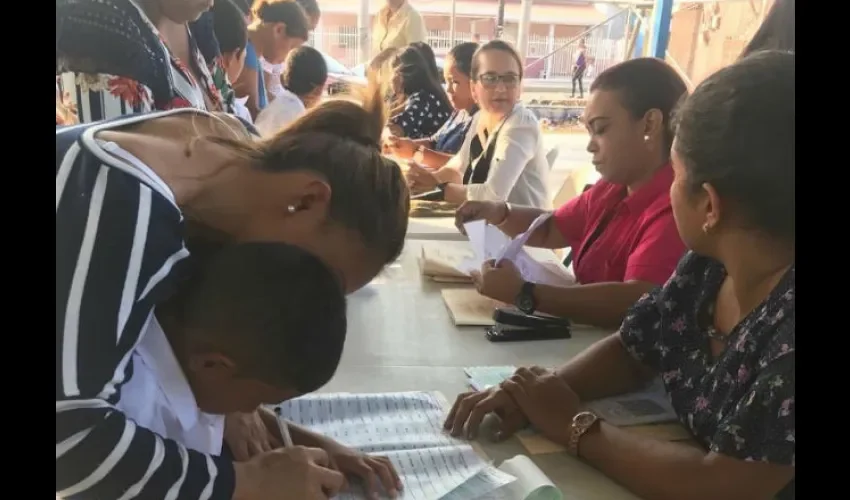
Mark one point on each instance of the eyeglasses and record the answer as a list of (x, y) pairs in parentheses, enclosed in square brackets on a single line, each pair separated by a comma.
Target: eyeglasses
[(491, 80)]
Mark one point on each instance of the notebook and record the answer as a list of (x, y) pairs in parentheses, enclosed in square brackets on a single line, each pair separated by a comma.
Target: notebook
[(467, 307), (446, 261), (407, 428)]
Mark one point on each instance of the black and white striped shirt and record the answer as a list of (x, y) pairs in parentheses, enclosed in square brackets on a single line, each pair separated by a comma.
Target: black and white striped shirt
[(119, 251)]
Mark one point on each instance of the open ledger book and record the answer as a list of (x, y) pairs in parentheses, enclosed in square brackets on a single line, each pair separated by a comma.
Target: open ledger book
[(406, 427)]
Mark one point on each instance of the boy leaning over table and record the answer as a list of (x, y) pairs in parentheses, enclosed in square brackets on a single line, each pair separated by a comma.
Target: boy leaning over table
[(236, 339)]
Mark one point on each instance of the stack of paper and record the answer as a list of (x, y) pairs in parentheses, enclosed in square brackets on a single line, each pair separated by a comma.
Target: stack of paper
[(406, 427)]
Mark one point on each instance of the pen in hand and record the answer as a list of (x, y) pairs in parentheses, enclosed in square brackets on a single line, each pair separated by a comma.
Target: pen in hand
[(284, 429)]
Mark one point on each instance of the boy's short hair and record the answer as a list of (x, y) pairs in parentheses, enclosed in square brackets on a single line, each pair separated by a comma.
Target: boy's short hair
[(277, 311), (231, 30), (304, 71)]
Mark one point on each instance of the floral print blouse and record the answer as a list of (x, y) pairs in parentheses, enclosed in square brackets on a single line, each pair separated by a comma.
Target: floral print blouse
[(742, 403), (423, 115), (104, 96)]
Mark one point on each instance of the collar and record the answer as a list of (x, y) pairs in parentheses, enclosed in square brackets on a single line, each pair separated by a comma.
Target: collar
[(156, 352), (658, 186), (402, 10)]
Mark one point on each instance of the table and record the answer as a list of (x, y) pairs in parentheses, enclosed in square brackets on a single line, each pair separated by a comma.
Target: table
[(433, 228), (401, 338)]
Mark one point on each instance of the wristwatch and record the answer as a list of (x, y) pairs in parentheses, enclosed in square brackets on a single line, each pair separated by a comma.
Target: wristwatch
[(524, 300), (581, 424)]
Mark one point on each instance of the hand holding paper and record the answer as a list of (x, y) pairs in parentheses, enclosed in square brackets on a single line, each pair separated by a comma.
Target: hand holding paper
[(489, 243)]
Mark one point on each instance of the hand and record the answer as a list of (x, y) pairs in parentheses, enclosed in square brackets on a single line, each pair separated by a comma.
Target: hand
[(401, 147), (494, 212), (546, 400), (248, 434), (421, 177), (376, 472), (296, 473), (502, 282), (469, 410)]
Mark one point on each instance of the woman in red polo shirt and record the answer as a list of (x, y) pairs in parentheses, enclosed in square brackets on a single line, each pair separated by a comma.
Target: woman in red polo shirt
[(621, 231)]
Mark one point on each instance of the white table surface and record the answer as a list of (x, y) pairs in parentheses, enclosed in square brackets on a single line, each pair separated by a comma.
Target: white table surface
[(401, 338)]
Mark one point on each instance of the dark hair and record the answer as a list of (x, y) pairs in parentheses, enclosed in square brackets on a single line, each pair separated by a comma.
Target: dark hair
[(462, 56), (429, 57), (288, 12), (273, 308), (498, 45), (230, 28), (737, 133), (415, 75), (304, 71), (643, 84), (311, 7), (339, 140), (776, 31)]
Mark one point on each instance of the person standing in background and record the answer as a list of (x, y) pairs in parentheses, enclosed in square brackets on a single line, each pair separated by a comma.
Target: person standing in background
[(579, 68), (396, 26)]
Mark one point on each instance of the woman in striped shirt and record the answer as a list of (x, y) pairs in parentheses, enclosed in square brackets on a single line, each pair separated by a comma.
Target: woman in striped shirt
[(134, 198)]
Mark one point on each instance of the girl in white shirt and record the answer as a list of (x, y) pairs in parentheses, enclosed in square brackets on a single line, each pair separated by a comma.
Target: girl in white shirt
[(502, 157)]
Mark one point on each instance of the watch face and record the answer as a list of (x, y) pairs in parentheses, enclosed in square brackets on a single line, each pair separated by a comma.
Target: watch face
[(584, 418), (525, 303)]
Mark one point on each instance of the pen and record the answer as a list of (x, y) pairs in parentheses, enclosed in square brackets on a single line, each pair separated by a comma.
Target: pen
[(284, 429)]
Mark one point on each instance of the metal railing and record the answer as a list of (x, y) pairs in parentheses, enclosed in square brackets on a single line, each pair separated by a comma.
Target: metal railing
[(548, 57)]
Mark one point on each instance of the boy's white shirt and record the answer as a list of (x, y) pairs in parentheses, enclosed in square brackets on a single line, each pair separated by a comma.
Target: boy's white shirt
[(240, 110), (159, 397), (283, 110)]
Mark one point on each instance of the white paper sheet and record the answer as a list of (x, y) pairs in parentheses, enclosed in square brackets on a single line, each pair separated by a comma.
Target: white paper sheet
[(531, 483), (489, 243), (407, 428), (512, 249)]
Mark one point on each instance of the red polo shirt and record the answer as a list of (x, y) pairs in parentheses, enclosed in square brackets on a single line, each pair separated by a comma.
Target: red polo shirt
[(617, 237)]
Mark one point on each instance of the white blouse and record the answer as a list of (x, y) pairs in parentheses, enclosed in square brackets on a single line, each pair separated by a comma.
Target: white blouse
[(519, 171)]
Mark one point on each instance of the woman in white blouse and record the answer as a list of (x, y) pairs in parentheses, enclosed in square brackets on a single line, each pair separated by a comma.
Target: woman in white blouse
[(502, 157)]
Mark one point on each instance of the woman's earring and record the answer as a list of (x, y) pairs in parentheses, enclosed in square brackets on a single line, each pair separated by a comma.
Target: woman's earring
[(646, 138), (706, 228), (291, 209)]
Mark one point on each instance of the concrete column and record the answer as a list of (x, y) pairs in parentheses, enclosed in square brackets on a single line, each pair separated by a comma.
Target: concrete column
[(524, 31), (452, 36), (363, 27), (550, 47), (662, 14)]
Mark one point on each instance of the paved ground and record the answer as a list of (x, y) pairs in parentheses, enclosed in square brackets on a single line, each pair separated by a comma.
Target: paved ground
[(572, 147)]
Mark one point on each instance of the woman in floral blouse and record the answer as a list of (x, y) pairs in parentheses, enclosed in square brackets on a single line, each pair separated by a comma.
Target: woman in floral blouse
[(720, 333), (119, 57), (424, 104)]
